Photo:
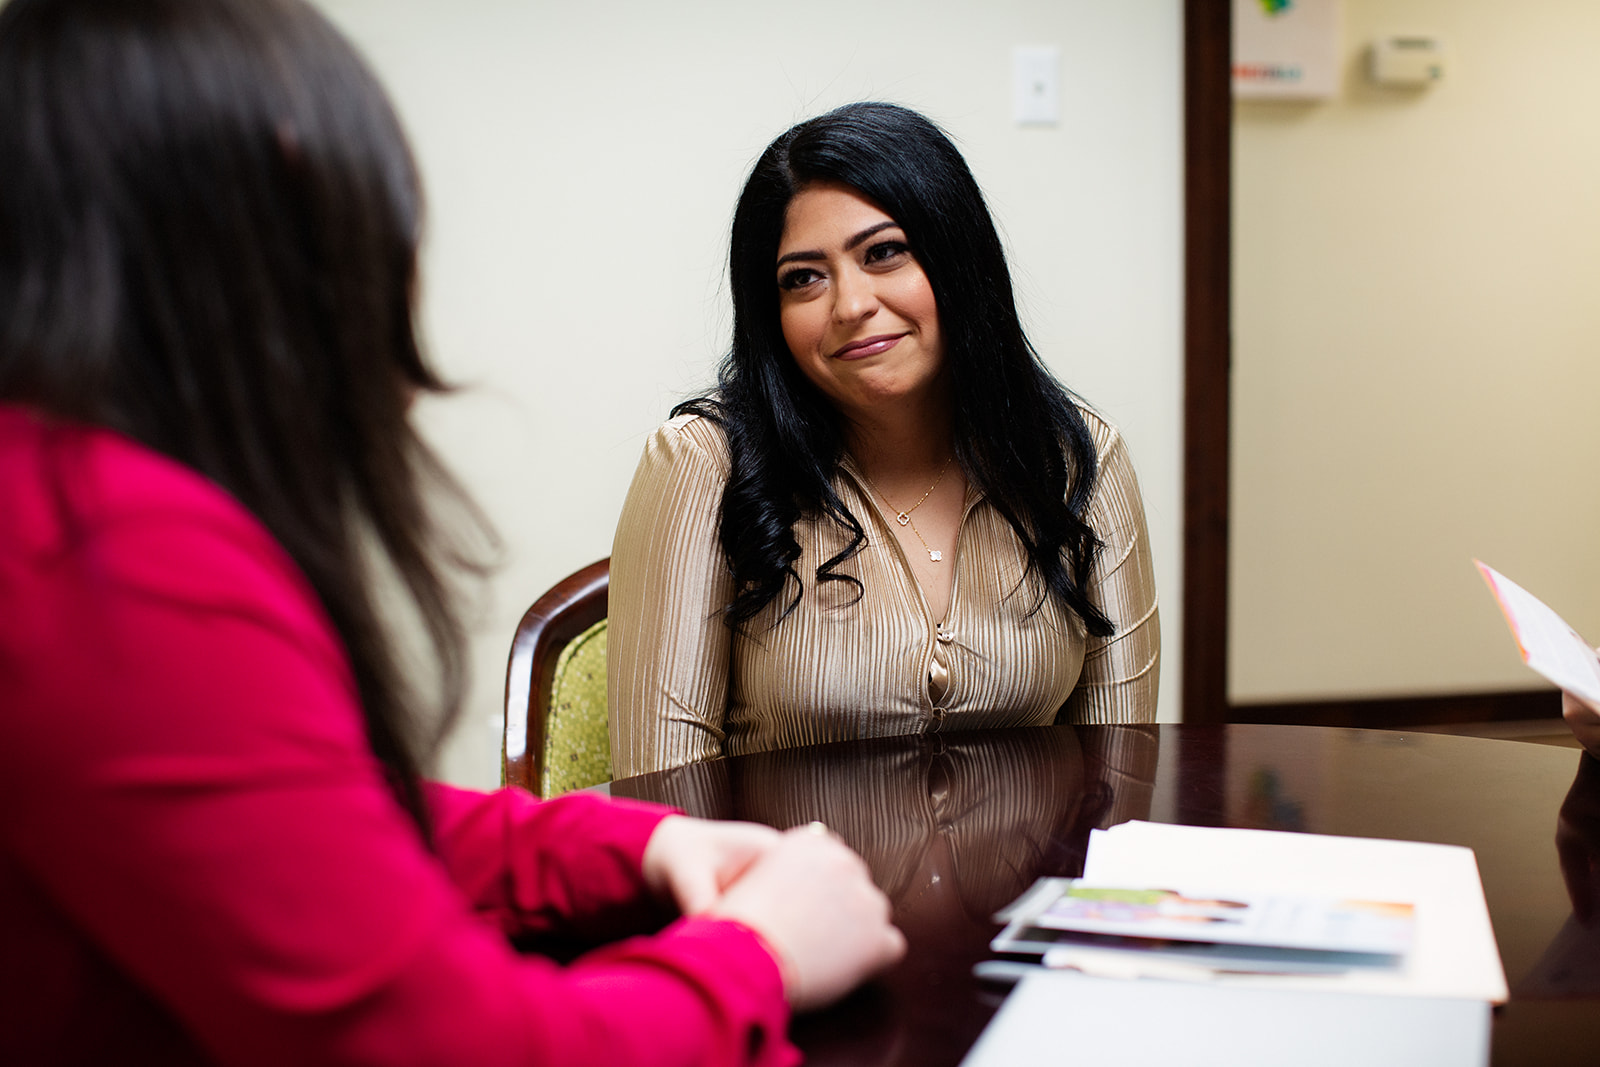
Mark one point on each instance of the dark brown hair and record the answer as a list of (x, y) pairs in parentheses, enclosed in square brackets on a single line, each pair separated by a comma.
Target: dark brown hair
[(208, 241)]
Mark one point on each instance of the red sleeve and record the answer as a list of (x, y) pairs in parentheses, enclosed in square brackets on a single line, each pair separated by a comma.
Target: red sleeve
[(569, 865), (184, 775)]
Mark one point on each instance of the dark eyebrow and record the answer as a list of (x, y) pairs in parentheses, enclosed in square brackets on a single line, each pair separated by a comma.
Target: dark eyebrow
[(848, 245), (868, 232)]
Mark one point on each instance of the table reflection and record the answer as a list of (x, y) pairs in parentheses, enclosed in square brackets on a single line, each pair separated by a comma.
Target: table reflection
[(1570, 966), (953, 827)]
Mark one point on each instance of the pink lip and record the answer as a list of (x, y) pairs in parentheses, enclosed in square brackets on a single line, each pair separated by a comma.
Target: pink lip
[(870, 346)]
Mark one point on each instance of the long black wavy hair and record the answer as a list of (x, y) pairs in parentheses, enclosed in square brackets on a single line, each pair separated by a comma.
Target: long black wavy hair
[(1019, 436), (208, 241)]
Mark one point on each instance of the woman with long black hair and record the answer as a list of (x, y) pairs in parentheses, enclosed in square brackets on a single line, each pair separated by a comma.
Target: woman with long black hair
[(216, 843), (888, 518)]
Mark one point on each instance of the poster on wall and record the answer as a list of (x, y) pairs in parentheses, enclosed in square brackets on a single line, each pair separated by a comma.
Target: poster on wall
[(1286, 49)]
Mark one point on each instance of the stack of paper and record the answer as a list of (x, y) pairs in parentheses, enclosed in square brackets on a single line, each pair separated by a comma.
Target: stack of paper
[(1453, 951), (1421, 998)]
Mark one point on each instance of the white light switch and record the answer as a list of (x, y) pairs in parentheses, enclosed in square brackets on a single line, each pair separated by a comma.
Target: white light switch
[(1036, 84)]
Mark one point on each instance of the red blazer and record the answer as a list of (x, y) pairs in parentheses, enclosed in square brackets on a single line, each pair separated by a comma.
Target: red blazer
[(199, 858)]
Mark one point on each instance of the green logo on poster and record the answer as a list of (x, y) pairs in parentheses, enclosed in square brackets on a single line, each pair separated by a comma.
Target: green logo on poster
[(1276, 7)]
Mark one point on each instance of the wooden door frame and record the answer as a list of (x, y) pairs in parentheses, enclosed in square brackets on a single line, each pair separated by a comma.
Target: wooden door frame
[(1207, 367), (1207, 348)]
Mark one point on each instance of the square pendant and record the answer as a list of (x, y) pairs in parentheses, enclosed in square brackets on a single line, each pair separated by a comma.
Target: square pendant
[(935, 555)]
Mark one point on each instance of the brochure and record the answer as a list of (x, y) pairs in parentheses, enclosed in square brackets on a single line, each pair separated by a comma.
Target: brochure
[(1235, 918), (1081, 926), (1451, 953)]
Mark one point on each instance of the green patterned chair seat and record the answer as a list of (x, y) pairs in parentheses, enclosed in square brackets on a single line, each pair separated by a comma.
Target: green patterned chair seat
[(577, 747), (556, 737)]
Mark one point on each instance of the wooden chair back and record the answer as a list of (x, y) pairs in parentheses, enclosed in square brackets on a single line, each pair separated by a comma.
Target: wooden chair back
[(572, 606)]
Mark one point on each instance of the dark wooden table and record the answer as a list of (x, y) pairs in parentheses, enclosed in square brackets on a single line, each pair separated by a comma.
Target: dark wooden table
[(956, 825)]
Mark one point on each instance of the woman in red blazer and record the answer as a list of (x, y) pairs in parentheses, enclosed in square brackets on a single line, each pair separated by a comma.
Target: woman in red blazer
[(216, 840)]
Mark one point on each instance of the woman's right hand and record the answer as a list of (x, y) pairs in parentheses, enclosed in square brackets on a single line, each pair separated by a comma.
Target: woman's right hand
[(1584, 720), (813, 901)]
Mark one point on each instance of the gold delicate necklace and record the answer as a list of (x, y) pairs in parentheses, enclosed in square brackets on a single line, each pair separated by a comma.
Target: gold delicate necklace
[(904, 517)]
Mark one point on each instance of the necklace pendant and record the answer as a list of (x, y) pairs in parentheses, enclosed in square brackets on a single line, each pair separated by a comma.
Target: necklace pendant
[(935, 555), (903, 518)]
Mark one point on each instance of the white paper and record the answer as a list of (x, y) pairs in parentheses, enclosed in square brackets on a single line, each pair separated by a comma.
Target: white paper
[(1453, 953), (1547, 643), (1057, 1017)]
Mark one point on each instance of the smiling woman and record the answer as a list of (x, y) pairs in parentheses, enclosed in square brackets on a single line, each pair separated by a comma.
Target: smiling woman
[(888, 518), (859, 317), (856, 307)]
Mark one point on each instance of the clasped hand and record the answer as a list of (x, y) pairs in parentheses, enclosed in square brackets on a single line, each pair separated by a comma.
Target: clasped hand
[(807, 895)]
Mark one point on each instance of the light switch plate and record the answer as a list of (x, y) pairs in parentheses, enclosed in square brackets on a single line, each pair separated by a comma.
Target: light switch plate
[(1036, 84)]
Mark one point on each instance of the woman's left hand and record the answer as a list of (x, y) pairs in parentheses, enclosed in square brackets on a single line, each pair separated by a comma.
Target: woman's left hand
[(692, 861)]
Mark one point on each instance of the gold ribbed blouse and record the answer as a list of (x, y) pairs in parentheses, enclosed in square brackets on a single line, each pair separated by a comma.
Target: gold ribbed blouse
[(683, 687)]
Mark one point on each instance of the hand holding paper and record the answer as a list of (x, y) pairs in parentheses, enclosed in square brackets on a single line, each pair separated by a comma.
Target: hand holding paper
[(1550, 646), (1585, 722)]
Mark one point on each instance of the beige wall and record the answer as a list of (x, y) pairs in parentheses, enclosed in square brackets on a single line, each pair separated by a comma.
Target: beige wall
[(1417, 358), (582, 161)]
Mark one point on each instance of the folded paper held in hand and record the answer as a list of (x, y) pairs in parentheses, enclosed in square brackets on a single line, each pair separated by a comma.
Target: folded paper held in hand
[(1546, 642)]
